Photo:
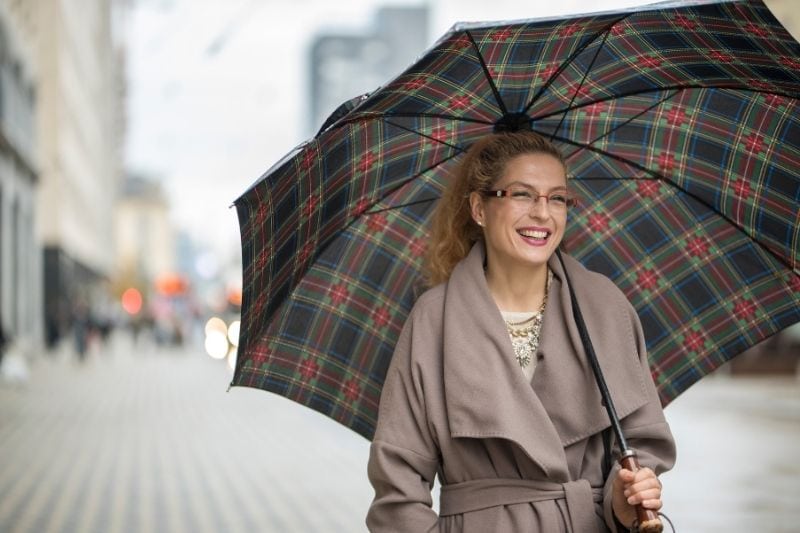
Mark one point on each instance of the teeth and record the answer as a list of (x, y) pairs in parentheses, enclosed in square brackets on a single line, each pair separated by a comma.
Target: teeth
[(533, 234)]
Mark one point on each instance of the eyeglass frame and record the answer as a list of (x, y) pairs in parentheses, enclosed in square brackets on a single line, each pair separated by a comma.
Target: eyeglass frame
[(570, 201)]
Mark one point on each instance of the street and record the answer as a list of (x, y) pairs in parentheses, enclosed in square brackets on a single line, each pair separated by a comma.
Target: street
[(148, 440)]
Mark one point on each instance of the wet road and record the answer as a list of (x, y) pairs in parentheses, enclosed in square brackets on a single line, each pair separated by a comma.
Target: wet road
[(154, 443)]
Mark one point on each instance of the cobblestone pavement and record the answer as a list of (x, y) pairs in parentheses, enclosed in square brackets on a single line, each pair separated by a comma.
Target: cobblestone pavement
[(150, 441)]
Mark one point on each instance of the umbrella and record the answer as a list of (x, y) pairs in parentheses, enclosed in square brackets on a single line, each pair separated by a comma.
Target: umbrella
[(681, 131)]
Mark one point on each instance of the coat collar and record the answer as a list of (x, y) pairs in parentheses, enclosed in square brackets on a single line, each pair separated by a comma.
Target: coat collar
[(486, 394)]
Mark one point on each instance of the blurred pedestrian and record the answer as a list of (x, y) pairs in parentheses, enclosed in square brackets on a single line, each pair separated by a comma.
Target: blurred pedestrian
[(81, 329), (3, 340), (489, 387)]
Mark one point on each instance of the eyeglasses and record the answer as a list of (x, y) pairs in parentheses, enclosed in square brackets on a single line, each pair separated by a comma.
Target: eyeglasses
[(524, 197)]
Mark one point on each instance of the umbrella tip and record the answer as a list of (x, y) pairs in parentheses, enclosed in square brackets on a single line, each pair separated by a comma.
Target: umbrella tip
[(511, 122)]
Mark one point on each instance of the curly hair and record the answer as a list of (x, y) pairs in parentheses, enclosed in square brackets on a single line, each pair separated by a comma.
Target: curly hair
[(454, 231)]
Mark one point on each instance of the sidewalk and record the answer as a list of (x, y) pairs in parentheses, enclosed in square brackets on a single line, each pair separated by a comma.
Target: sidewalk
[(152, 442), (737, 466)]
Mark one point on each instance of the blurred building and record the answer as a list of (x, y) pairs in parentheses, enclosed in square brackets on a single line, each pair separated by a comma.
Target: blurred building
[(149, 260), (347, 65), (145, 243), (79, 124), (20, 286)]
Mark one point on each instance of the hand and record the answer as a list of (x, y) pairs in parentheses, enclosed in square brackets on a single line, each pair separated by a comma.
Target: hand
[(630, 489)]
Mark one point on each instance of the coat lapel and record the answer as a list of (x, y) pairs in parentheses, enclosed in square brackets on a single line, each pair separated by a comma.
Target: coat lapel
[(564, 380), (487, 395)]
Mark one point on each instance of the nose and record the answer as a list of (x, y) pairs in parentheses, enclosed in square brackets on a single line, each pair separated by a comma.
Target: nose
[(538, 203)]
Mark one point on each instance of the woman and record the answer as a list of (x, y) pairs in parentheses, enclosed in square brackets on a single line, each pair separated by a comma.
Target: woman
[(489, 387)]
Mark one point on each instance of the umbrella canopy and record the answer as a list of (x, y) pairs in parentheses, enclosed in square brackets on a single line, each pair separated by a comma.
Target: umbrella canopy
[(681, 129)]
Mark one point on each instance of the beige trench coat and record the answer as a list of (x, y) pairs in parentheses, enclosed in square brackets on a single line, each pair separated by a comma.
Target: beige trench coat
[(511, 455)]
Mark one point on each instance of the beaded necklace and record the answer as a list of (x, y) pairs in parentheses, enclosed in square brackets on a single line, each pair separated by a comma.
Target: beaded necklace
[(525, 333)]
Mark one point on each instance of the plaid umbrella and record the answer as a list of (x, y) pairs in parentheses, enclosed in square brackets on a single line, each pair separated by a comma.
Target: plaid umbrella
[(681, 129)]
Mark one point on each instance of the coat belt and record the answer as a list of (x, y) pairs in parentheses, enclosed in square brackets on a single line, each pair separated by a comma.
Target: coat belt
[(477, 494)]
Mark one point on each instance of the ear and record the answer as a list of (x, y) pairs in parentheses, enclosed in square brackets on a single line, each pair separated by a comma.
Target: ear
[(476, 208)]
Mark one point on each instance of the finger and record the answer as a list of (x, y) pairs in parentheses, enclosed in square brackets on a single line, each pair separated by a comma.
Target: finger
[(639, 496), (653, 504), (620, 486), (646, 485), (644, 480), (626, 476), (649, 488), (644, 473)]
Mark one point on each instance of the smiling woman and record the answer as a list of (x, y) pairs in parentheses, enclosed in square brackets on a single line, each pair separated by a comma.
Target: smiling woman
[(487, 389), (521, 232)]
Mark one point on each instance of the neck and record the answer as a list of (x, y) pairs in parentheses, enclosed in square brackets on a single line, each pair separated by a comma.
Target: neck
[(517, 290)]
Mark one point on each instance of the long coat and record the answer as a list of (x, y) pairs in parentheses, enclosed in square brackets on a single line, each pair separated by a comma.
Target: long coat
[(511, 455)]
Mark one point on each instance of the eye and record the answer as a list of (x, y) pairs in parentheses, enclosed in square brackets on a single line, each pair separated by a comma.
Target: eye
[(519, 193), (558, 199)]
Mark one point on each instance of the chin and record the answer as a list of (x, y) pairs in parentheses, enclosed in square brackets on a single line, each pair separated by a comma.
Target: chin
[(535, 260), (540, 255)]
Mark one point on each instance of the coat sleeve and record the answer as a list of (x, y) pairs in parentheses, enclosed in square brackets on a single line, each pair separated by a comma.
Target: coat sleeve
[(403, 457), (646, 430)]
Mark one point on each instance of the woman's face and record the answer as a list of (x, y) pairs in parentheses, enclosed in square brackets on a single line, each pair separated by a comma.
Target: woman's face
[(524, 229)]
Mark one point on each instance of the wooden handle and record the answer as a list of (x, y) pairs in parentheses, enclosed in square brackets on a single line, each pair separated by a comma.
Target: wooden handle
[(649, 522)]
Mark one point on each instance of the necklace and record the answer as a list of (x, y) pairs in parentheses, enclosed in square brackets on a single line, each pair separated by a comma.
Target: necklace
[(525, 340)]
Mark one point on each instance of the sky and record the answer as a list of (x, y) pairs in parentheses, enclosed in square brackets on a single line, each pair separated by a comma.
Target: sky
[(217, 90)]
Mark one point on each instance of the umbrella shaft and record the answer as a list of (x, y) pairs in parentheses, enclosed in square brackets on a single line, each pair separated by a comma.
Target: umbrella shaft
[(648, 521), (592, 356)]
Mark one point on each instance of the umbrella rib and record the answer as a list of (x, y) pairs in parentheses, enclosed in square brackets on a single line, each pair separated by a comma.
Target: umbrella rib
[(570, 59), (401, 206), (406, 181), (412, 130), (382, 116), (610, 155), (663, 179), (626, 122), (656, 90), (583, 80), (488, 75)]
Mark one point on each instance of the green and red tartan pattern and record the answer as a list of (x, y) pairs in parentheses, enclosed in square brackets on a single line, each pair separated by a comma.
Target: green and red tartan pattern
[(703, 291), (680, 127), (354, 299), (755, 191), (294, 212)]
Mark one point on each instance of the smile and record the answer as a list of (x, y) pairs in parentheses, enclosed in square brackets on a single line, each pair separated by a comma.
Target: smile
[(534, 233)]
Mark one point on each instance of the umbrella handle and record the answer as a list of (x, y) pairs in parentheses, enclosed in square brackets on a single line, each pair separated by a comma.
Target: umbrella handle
[(648, 520)]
